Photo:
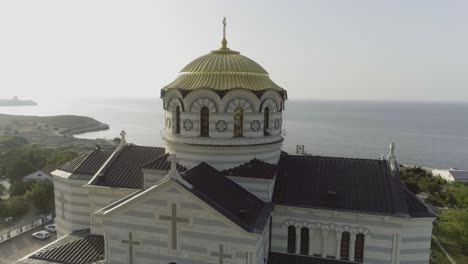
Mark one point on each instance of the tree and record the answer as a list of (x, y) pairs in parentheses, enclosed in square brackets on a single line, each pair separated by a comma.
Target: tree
[(15, 207), (19, 169), (42, 196), (454, 223), (20, 188)]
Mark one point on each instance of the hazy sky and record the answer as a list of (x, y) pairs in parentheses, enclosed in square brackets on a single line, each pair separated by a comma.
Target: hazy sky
[(385, 50)]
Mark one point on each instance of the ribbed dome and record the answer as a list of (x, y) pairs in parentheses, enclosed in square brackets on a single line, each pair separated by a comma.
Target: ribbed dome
[(223, 69)]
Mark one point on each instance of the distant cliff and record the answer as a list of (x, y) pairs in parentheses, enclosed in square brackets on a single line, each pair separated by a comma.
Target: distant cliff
[(15, 101)]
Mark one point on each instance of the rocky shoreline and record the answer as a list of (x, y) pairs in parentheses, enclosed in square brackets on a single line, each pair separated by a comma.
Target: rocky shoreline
[(54, 131)]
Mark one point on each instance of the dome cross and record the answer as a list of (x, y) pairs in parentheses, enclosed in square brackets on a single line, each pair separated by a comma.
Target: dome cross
[(224, 42)]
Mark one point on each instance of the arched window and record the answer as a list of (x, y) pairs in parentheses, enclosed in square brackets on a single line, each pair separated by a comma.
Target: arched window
[(305, 241), (291, 239), (344, 251), (359, 248), (204, 122), (239, 122), (178, 120), (266, 121)]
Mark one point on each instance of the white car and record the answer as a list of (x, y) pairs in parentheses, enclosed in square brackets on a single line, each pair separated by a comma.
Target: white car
[(42, 235), (51, 228)]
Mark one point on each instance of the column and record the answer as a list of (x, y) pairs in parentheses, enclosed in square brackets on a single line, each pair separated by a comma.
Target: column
[(298, 240), (338, 244), (352, 244), (324, 243), (311, 232)]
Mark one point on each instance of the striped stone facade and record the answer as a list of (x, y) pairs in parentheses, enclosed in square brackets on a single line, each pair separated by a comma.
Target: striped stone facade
[(261, 133), (198, 239), (387, 240)]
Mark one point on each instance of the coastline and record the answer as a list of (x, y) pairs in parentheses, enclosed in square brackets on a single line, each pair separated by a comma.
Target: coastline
[(54, 131)]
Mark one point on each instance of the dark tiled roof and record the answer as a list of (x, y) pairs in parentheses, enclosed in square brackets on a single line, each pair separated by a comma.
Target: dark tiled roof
[(340, 184), (124, 170), (254, 169), (459, 175), (88, 163), (281, 258), (87, 249), (229, 198), (162, 163), (416, 207)]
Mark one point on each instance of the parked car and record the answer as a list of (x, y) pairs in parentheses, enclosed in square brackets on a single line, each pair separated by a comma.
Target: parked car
[(42, 235), (51, 228)]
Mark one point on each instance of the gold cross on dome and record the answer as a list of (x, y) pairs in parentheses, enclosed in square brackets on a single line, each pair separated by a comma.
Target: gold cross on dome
[(224, 42)]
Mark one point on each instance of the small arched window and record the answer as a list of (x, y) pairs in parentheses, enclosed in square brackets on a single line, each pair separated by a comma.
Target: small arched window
[(305, 241), (291, 239), (266, 121), (204, 122), (178, 120), (344, 251), (359, 248), (239, 122)]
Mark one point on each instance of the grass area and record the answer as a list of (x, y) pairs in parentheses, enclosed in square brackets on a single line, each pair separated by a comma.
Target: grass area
[(437, 256), (452, 248)]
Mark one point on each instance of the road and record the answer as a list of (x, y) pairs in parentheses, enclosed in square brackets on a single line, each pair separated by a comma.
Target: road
[(22, 245)]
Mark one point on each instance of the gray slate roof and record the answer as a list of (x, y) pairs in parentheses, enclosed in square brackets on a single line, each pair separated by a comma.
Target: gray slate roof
[(255, 168), (360, 185), (124, 170), (282, 258), (229, 198), (79, 247), (86, 164), (163, 164)]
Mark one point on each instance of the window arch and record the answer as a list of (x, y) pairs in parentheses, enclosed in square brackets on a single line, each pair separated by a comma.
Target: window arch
[(178, 120), (204, 122), (239, 122), (266, 121), (291, 239), (305, 241), (359, 248), (344, 251)]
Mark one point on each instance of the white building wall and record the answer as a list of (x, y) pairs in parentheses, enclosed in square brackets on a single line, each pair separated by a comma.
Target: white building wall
[(100, 197), (387, 239), (261, 188), (207, 229), (75, 212)]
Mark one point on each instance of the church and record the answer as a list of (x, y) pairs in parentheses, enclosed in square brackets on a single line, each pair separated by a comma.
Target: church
[(221, 190)]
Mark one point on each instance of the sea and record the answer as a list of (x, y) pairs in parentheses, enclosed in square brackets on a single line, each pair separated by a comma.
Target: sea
[(431, 134)]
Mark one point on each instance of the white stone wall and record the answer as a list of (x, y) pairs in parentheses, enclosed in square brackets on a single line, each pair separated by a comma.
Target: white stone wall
[(221, 128), (100, 197), (223, 157), (261, 188), (151, 177), (444, 174), (196, 241), (75, 212), (387, 239)]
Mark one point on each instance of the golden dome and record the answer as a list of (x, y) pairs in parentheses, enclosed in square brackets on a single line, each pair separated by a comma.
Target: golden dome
[(222, 70)]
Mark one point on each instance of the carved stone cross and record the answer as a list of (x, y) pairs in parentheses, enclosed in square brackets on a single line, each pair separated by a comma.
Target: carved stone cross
[(174, 220), (62, 205), (123, 140), (130, 243), (221, 256)]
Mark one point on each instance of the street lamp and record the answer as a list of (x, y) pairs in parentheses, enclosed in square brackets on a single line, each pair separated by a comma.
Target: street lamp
[(9, 220)]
